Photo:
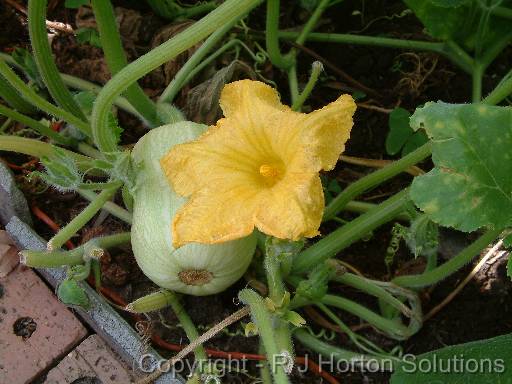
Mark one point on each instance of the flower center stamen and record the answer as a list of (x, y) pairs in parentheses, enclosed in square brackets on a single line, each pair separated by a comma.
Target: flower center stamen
[(269, 171)]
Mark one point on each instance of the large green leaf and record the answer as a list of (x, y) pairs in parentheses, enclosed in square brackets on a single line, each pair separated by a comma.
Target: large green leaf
[(478, 362), (471, 184), (457, 20)]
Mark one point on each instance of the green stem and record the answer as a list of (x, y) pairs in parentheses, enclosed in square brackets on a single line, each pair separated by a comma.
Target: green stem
[(80, 84), (9, 94), (350, 233), (226, 12), (337, 354), (83, 85), (501, 92), (454, 264), (153, 302), (360, 341), (116, 58), (265, 375), (449, 48), (368, 286), (87, 150), (36, 126), (375, 178), (316, 69), (502, 12), (82, 218), (277, 290), (478, 72), (45, 259), (6, 124), (188, 326), (39, 149), (181, 77), (281, 61), (200, 9), (31, 96), (44, 59), (312, 22), (265, 324), (293, 83), (494, 49), (110, 207), (216, 54), (392, 328), (363, 207)]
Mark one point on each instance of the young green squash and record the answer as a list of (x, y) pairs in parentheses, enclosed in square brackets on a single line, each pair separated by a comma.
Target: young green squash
[(194, 269)]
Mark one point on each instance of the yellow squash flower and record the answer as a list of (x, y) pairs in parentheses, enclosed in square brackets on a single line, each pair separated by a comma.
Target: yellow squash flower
[(257, 167)]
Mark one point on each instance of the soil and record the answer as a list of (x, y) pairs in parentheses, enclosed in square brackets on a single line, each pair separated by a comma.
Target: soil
[(482, 310)]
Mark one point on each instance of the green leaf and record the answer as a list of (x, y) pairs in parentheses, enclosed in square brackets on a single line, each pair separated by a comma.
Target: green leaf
[(449, 3), (507, 241), (478, 362), (457, 20), (85, 100), (316, 285), (61, 172), (414, 142), (422, 237), (294, 318), (71, 293), (27, 63), (75, 3), (79, 272), (471, 184), (250, 329), (88, 36), (399, 130)]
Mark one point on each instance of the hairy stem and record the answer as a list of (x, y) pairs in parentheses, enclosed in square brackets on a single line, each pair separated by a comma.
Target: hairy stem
[(45, 259), (375, 178), (449, 49), (31, 96), (110, 207), (316, 69), (181, 77), (272, 37), (226, 12), (43, 56), (265, 324), (36, 126), (82, 218), (331, 352), (350, 233), (116, 58), (37, 148), (435, 275), (12, 97)]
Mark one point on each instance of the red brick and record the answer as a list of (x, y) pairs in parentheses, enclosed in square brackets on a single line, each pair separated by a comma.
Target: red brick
[(56, 332), (92, 358)]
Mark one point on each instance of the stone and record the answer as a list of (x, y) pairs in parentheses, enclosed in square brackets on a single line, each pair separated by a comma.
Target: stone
[(12, 201)]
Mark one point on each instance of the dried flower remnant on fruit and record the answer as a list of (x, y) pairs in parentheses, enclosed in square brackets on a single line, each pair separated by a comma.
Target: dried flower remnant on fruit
[(257, 167)]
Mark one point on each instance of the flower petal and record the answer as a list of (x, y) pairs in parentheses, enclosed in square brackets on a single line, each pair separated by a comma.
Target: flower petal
[(293, 208), (221, 155), (326, 131), (251, 98), (212, 217)]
